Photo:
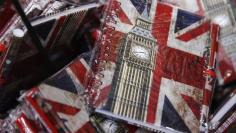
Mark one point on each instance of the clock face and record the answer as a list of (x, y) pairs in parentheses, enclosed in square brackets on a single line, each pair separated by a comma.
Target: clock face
[(140, 52), (110, 126)]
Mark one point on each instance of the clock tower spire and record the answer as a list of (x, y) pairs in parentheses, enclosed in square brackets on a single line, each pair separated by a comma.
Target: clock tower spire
[(146, 12)]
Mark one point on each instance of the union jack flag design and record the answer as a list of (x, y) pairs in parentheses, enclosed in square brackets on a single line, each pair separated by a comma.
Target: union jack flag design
[(60, 93), (178, 84)]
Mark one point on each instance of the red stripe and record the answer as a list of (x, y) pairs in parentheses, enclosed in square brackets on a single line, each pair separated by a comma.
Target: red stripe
[(103, 95), (180, 66), (214, 44), (87, 128), (207, 97), (194, 106), (132, 128), (62, 108), (123, 18), (79, 70), (23, 123), (162, 12), (37, 108), (192, 34), (54, 34)]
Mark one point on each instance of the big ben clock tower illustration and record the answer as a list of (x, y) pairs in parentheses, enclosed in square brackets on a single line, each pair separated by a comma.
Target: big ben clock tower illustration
[(134, 71)]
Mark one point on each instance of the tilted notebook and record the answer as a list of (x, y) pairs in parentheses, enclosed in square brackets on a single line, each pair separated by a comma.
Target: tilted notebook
[(56, 101), (149, 65)]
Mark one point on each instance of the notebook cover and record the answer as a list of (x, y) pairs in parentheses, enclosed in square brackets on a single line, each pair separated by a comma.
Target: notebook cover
[(149, 65), (60, 92)]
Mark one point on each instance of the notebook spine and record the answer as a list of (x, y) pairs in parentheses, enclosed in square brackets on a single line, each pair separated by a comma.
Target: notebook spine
[(102, 53), (210, 77)]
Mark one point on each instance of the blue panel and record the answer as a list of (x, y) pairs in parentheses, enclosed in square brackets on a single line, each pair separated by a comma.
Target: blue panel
[(170, 118), (185, 19), (62, 81), (139, 5)]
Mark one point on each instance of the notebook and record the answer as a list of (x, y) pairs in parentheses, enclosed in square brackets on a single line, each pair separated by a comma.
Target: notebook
[(148, 66)]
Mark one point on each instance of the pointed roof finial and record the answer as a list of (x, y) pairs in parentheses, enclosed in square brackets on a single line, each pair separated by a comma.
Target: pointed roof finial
[(146, 11)]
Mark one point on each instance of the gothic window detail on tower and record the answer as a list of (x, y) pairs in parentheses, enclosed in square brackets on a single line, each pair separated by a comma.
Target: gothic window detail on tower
[(134, 72)]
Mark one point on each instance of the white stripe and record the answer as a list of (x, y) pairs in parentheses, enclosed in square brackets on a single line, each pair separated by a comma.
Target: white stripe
[(60, 96), (153, 9), (75, 122), (85, 64), (208, 85), (79, 86), (122, 27), (205, 110), (189, 5), (129, 10)]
